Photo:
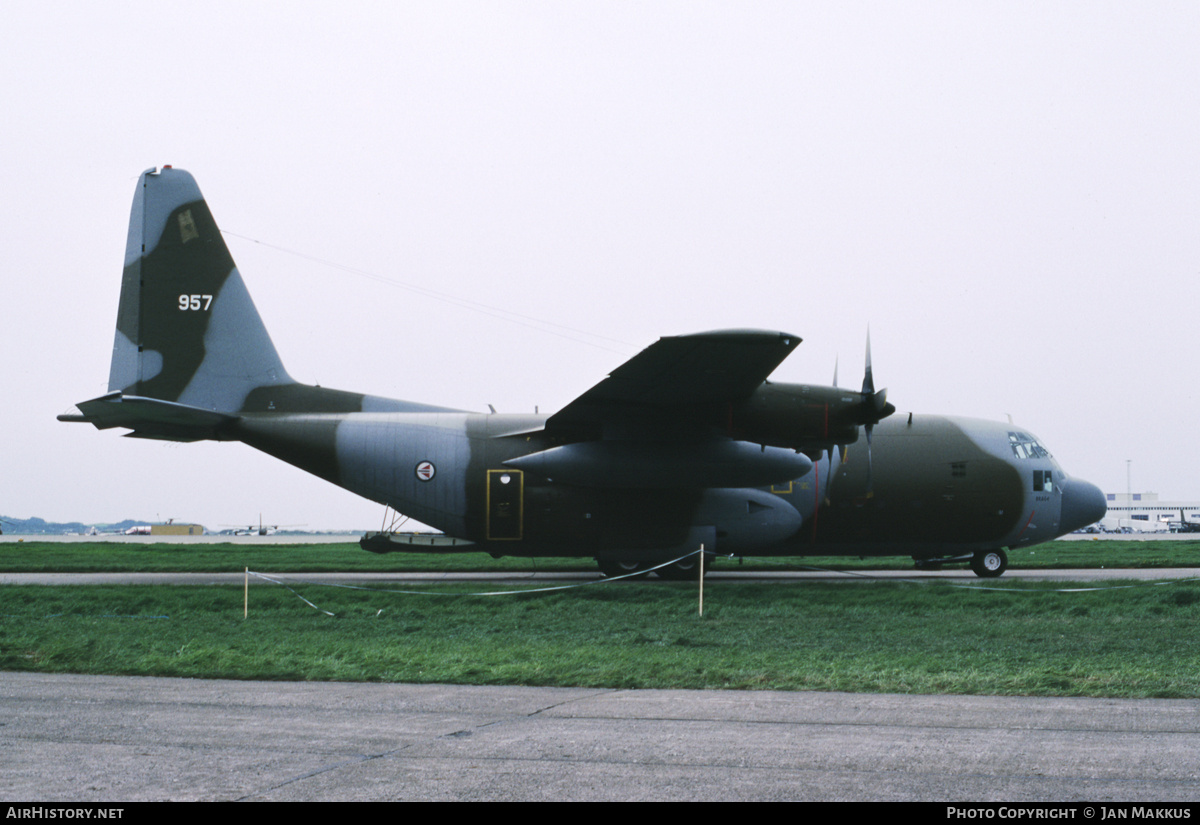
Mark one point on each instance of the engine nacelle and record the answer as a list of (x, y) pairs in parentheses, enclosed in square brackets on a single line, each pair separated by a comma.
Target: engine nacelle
[(805, 416)]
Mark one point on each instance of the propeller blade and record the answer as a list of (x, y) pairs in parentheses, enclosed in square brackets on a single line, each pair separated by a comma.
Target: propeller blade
[(879, 402), (870, 466), (868, 377)]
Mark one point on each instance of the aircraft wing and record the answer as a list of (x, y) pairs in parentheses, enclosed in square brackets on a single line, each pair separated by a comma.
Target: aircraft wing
[(679, 374)]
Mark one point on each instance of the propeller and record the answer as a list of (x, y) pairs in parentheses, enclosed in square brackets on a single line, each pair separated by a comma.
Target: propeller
[(832, 447), (871, 408), (875, 409)]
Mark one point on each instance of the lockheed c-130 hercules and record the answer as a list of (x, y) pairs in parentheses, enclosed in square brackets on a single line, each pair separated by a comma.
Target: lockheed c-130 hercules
[(686, 444)]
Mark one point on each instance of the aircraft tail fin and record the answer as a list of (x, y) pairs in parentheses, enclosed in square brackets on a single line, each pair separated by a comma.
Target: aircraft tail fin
[(191, 356), (187, 329)]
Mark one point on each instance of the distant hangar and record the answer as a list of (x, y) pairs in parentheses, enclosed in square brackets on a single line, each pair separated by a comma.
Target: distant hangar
[(1145, 512)]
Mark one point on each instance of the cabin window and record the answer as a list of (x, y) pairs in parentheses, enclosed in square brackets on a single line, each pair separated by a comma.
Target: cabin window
[(1026, 446)]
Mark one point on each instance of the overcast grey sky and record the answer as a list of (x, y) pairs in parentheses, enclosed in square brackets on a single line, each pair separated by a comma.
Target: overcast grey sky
[(1006, 193)]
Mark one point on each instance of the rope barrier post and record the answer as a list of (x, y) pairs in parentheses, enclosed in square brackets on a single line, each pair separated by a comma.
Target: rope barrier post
[(246, 595), (700, 567)]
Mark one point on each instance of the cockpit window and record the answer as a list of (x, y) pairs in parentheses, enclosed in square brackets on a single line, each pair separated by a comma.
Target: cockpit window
[(1026, 446)]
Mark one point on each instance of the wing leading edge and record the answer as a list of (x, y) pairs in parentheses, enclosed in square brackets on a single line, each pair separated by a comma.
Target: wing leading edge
[(680, 374)]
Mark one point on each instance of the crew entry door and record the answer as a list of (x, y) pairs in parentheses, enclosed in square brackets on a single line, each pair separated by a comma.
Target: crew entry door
[(505, 505)]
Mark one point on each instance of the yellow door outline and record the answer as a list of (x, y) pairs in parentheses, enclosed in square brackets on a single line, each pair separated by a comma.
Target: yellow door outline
[(509, 526)]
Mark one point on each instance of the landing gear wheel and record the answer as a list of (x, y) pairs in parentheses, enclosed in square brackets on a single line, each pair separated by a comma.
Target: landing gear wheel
[(619, 567), (990, 563), (684, 570)]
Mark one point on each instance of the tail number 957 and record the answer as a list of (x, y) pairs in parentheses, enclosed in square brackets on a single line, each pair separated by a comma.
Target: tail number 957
[(197, 303)]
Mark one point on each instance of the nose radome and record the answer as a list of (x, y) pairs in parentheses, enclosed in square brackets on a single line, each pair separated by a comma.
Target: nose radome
[(1082, 504)]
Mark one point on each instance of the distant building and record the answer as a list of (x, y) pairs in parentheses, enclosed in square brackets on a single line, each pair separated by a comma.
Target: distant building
[(1145, 512), (177, 529)]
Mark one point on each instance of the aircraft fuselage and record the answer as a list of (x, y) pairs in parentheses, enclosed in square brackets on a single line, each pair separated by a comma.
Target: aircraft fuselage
[(935, 486)]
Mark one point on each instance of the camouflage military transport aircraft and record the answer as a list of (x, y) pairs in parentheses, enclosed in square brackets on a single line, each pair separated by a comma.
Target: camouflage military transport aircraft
[(685, 444)]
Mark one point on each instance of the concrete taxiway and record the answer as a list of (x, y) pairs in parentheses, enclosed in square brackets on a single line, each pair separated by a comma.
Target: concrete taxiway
[(962, 577), (99, 738)]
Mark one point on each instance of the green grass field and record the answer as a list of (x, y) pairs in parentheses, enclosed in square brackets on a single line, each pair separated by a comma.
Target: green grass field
[(815, 636), (929, 637), (83, 557)]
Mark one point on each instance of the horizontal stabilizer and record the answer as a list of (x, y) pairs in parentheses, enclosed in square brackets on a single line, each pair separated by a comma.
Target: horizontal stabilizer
[(152, 418)]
